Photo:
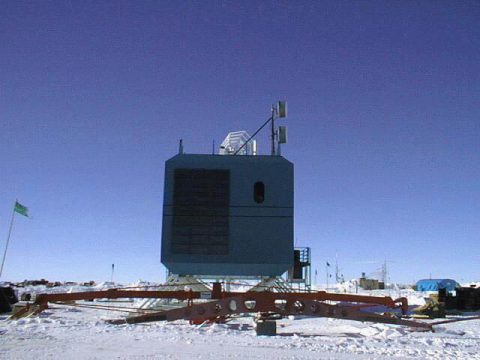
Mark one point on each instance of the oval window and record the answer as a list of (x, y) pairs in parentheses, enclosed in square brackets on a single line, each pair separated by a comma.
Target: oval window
[(259, 192)]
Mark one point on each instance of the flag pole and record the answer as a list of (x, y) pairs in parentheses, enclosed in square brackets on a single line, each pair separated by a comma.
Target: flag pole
[(326, 269), (8, 239), (111, 277)]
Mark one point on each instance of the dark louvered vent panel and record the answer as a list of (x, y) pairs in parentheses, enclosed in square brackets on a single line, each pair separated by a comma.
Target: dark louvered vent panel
[(201, 212)]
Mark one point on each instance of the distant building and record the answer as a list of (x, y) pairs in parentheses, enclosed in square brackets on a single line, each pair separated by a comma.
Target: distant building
[(370, 284)]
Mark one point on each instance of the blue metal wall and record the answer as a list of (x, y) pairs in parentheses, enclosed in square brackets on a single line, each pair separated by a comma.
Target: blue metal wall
[(260, 235)]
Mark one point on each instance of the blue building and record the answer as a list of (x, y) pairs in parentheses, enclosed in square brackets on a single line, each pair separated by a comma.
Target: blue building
[(227, 215), (436, 284)]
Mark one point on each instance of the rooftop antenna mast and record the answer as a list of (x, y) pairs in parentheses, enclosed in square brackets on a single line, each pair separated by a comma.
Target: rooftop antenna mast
[(274, 110), (278, 111)]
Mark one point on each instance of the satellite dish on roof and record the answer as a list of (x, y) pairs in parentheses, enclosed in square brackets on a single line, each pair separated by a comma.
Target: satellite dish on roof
[(235, 142)]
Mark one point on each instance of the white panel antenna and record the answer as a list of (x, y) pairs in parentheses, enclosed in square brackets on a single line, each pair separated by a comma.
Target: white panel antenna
[(282, 135)]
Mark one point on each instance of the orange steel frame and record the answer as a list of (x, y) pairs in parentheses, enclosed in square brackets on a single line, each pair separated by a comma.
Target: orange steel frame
[(222, 303)]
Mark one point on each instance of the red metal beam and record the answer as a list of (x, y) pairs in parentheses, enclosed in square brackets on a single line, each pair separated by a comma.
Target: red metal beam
[(263, 302), (191, 295), (117, 294), (311, 303)]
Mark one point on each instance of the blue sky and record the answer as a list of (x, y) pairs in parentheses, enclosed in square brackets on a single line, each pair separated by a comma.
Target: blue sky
[(384, 126)]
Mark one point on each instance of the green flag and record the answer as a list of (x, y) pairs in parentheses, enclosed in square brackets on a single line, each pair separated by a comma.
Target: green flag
[(22, 210)]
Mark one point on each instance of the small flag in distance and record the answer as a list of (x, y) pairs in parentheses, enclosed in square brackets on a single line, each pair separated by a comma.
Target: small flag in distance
[(22, 210)]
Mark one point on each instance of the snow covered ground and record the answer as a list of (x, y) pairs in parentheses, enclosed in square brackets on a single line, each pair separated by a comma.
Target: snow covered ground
[(79, 333)]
